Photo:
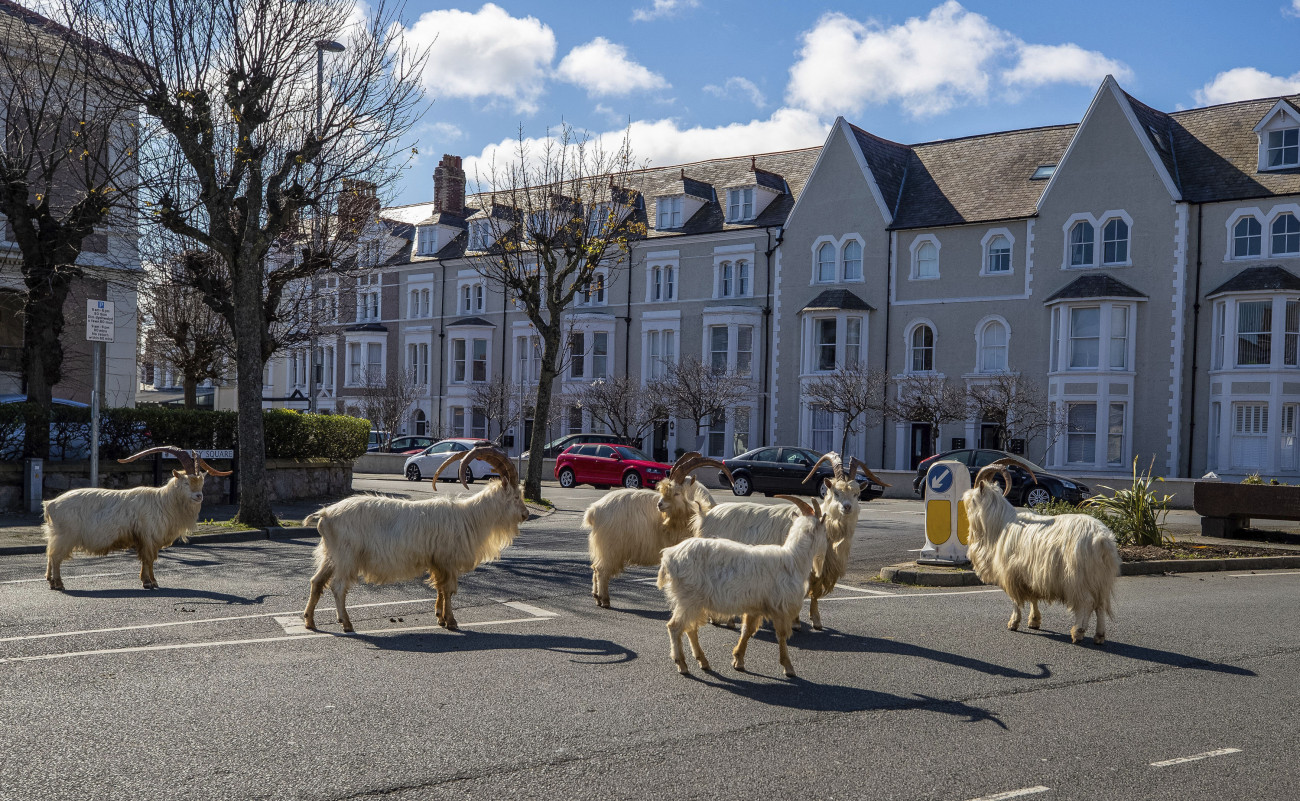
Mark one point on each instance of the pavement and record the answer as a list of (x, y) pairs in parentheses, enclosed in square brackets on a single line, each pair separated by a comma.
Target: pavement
[(209, 688)]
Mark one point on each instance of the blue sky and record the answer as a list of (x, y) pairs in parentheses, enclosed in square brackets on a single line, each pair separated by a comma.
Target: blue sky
[(707, 78)]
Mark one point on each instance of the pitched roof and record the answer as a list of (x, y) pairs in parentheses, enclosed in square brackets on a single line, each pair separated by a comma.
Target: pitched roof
[(1217, 152), (1094, 286), (837, 299), (475, 321), (887, 161), (367, 327), (1259, 279)]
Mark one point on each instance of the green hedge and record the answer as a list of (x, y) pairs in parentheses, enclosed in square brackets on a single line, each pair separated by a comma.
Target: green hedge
[(122, 431)]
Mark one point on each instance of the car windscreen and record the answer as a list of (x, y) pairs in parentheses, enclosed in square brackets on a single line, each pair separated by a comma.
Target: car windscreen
[(632, 453)]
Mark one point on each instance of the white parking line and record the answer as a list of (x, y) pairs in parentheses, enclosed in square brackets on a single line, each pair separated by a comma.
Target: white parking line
[(1180, 760), (1013, 793), (546, 615), (529, 609), (1267, 573), (861, 589), (907, 595)]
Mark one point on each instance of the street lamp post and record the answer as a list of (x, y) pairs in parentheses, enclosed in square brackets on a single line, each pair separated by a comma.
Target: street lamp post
[(321, 47)]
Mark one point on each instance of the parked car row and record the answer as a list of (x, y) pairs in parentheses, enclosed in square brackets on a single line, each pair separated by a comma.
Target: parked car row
[(783, 469)]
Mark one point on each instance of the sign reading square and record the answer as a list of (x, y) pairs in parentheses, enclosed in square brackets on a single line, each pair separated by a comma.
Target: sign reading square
[(99, 321)]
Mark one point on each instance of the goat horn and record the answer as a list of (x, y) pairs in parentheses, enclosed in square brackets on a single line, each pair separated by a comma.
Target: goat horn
[(455, 457), (185, 457), (212, 471), (828, 457), (985, 475), (499, 461), (676, 473), (1023, 465), (856, 464), (804, 508), (704, 461)]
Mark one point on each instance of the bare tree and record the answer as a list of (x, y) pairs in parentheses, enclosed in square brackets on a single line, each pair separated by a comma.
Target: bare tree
[(1018, 407), (180, 329), (499, 402), (560, 222), (693, 390), (625, 406), (67, 167), (247, 152), (927, 399), (386, 397), (854, 392)]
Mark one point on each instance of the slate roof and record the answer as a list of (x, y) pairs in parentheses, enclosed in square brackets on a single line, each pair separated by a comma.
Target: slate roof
[(477, 321), (837, 299), (367, 327), (1094, 286), (444, 218), (1259, 279), (887, 161), (1217, 152)]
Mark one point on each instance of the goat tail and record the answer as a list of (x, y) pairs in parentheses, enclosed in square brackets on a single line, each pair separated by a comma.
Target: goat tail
[(664, 578)]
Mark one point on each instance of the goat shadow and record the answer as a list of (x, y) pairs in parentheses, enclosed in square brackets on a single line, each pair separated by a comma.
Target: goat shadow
[(833, 641), (179, 593), (811, 696), (598, 652), (1145, 654)]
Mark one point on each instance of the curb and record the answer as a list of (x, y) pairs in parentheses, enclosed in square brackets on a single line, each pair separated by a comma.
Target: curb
[(930, 576)]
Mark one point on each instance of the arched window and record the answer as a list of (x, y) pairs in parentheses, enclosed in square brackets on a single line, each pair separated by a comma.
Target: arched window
[(742, 278), (927, 261), (724, 280), (478, 297), (826, 263), (1286, 235), (465, 299), (668, 283), (657, 284), (852, 260), (414, 308), (424, 302), (421, 423), (999, 255), (1114, 242), (993, 347), (598, 288), (1081, 243), (922, 349), (1246, 238)]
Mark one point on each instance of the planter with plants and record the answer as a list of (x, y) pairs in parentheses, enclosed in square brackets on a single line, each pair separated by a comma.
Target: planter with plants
[(1227, 508)]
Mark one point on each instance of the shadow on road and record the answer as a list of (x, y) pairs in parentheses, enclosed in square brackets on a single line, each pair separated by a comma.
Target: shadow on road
[(1154, 655), (832, 641), (179, 593), (596, 652)]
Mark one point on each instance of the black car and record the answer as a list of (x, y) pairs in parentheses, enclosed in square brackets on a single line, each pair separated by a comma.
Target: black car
[(1024, 492), (776, 469)]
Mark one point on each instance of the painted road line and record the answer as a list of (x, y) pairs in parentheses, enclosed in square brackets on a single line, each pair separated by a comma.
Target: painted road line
[(529, 609), (292, 624), (861, 589), (253, 641), (52, 635), (1195, 757), (1013, 793), (1266, 573), (907, 595)]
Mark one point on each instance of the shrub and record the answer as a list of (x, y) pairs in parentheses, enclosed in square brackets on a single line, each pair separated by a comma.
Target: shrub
[(1135, 513), (1253, 478)]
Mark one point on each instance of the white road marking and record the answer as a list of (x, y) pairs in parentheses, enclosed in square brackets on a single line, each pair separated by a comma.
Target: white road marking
[(292, 624), (861, 589), (54, 634), (1195, 757), (529, 609), (1266, 573), (649, 580), (908, 595), (253, 641), (1013, 793)]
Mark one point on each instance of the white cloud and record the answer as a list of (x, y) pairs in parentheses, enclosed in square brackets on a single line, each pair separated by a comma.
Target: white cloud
[(1040, 65), (1245, 83), (603, 68), (487, 53), (666, 8), (1294, 10), (742, 86), (664, 142), (928, 65)]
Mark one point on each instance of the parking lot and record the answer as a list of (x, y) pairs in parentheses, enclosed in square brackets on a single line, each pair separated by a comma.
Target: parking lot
[(211, 688)]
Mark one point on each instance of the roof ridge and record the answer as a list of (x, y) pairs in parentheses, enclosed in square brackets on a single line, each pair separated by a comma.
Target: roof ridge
[(1293, 99)]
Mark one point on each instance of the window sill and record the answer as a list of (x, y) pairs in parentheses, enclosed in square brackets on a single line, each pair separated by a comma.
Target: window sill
[(999, 274), (918, 278)]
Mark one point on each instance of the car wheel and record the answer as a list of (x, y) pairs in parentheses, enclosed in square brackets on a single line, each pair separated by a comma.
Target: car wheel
[(821, 489), (632, 479), (567, 478), (740, 485), (412, 472), (1037, 496)]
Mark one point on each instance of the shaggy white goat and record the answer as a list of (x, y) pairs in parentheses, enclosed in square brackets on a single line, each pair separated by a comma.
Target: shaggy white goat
[(1070, 559), (703, 577), (147, 519), (760, 524), (383, 540), (632, 526)]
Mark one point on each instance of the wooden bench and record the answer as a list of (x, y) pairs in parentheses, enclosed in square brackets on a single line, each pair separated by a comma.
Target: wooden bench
[(1226, 508)]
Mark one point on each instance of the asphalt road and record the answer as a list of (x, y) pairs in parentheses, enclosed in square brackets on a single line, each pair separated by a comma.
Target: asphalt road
[(210, 689)]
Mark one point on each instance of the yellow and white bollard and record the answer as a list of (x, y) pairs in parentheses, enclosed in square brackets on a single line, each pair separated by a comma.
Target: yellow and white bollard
[(946, 528)]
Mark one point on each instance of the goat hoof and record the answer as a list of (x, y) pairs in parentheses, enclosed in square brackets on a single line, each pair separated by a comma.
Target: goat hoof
[(789, 674), (817, 627), (682, 669), (310, 625), (57, 586), (738, 665), (451, 625), (1100, 639), (704, 665), (1013, 626), (347, 629), (1077, 635), (1035, 625)]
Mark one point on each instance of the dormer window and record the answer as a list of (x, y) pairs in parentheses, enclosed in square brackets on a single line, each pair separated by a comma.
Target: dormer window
[(428, 240), (480, 235), (740, 204), (1284, 148), (670, 212)]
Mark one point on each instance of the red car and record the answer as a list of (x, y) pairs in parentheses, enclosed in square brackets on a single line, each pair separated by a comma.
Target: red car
[(608, 465)]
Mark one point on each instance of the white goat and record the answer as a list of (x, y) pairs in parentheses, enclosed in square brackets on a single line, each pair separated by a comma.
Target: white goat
[(761, 524), (1070, 559), (632, 526), (384, 540), (147, 519), (703, 577)]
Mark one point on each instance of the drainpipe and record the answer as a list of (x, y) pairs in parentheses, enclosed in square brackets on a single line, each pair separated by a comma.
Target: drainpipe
[(1196, 327), (767, 332), (889, 260), (627, 323), (442, 345)]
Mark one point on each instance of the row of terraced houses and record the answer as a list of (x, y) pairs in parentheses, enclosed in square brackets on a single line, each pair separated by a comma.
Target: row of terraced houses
[(1143, 266)]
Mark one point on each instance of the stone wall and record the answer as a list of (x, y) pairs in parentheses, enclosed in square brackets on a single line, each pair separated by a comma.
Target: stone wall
[(289, 479)]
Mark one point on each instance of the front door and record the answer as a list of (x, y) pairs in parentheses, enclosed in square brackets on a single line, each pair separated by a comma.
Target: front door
[(528, 436), (922, 446), (989, 436), (659, 448)]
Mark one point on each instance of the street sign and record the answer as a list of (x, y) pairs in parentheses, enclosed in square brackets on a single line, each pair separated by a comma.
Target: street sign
[(946, 527), (99, 321), (227, 454)]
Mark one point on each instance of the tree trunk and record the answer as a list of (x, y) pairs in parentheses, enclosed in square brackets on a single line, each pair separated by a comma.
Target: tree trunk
[(42, 351), (542, 413), (191, 392), (254, 498)]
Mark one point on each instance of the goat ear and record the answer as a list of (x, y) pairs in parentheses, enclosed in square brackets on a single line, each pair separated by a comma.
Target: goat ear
[(827, 481), (179, 473), (690, 480)]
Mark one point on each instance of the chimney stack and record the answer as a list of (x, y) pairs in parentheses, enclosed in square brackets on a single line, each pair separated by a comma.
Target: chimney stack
[(449, 186), (358, 206)]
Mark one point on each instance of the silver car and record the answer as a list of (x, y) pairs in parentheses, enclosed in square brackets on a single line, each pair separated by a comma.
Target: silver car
[(427, 462)]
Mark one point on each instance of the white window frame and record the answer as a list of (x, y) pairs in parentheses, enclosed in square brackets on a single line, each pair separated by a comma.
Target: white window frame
[(595, 293), (981, 332), (733, 318), (1089, 242), (1274, 215), (668, 212), (740, 204), (1062, 335), (660, 276), (660, 346), (363, 341), (1106, 220), (427, 236), (844, 260), (1268, 148), (915, 249), (1233, 221), (909, 350), (986, 251), (1249, 423), (827, 246)]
